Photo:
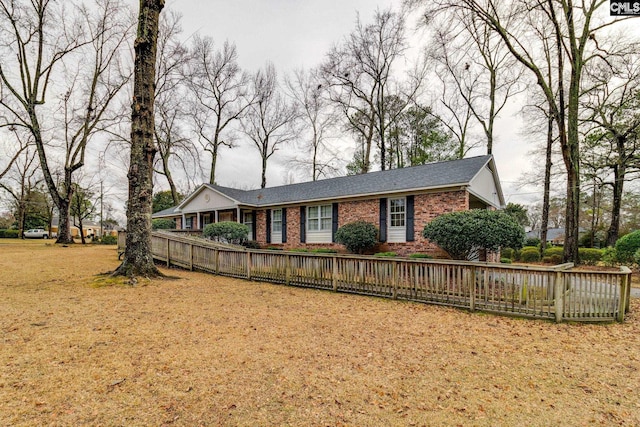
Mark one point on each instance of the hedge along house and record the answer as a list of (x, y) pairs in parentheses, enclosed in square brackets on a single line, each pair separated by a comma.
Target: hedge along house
[(307, 215)]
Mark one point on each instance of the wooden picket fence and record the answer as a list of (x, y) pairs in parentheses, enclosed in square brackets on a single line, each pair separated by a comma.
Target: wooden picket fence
[(556, 293)]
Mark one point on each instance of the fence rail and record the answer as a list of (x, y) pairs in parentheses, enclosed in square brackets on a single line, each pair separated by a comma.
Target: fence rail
[(554, 293)]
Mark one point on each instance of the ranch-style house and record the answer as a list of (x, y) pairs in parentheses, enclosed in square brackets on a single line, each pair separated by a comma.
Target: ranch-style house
[(306, 215)]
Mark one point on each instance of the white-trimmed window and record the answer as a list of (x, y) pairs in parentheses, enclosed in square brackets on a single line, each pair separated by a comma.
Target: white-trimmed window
[(247, 219), (319, 218), (319, 224), (397, 220), (276, 221)]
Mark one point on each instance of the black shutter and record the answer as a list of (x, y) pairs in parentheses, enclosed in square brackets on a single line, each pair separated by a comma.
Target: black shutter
[(334, 221), (254, 229), (383, 220), (410, 219), (268, 225), (303, 224), (284, 225)]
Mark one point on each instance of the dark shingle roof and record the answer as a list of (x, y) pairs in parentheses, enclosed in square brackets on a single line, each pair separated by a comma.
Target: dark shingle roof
[(433, 175), (166, 212)]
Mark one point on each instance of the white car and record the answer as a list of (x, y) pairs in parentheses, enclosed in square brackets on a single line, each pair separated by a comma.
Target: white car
[(36, 233)]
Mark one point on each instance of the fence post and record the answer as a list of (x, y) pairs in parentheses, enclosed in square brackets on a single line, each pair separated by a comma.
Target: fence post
[(248, 265), (334, 274), (216, 255), (168, 252), (472, 289), (559, 297), (622, 304), (287, 272), (191, 256), (395, 279)]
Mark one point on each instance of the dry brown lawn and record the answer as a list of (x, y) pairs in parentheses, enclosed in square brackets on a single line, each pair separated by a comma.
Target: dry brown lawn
[(78, 349)]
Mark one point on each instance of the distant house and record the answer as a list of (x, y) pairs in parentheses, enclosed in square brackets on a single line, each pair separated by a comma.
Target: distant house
[(399, 202), (555, 236), (90, 228)]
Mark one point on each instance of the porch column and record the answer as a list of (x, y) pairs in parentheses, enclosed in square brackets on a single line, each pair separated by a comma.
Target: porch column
[(216, 215), (238, 215), (198, 221), (184, 221)]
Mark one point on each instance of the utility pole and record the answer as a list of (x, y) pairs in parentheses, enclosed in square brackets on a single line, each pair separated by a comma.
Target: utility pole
[(101, 219)]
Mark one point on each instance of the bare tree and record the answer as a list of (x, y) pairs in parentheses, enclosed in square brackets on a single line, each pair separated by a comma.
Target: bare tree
[(613, 141), (472, 59), (176, 150), (359, 74), (575, 27), (221, 95), (138, 257), (309, 95), (270, 120), (44, 40), (20, 181)]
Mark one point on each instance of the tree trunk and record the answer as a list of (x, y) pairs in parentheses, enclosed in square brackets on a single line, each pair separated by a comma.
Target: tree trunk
[(64, 226), (82, 239), (547, 185), (138, 258), (214, 160), (618, 185)]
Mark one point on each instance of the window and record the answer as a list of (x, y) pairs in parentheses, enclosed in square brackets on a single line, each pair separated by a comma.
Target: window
[(276, 221), (397, 212), (247, 219), (319, 218)]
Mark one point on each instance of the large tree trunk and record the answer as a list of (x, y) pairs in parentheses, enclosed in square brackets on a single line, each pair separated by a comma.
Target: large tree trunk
[(618, 186), (64, 226), (214, 160), (138, 258), (544, 226)]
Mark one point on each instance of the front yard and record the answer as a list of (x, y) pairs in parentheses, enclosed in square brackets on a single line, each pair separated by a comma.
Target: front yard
[(79, 349)]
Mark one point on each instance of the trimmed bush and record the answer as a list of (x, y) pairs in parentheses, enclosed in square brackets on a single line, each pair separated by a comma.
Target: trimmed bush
[(385, 254), (227, 231), (554, 251), (552, 259), (590, 256), (420, 256), (298, 250), (626, 247), (462, 234), (530, 255), (609, 256), (163, 224), (505, 260), (532, 241), (109, 240), (636, 256), (507, 253), (599, 240), (358, 237), (9, 234)]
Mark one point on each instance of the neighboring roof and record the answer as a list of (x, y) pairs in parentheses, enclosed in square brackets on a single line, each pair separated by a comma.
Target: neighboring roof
[(166, 212), (433, 175), (552, 233)]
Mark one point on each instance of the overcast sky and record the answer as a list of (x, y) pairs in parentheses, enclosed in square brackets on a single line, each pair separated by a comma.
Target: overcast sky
[(293, 34)]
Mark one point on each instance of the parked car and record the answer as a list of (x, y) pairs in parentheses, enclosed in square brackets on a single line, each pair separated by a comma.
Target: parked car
[(36, 233)]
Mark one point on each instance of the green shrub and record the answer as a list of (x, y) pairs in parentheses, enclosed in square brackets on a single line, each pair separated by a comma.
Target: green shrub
[(109, 240), (609, 257), (385, 254), (636, 257), (505, 260), (554, 251), (420, 256), (324, 251), (507, 253), (251, 244), (626, 247), (227, 231), (590, 256), (530, 255), (599, 240), (9, 234), (358, 237), (461, 234), (163, 224), (532, 241), (552, 259), (299, 250)]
